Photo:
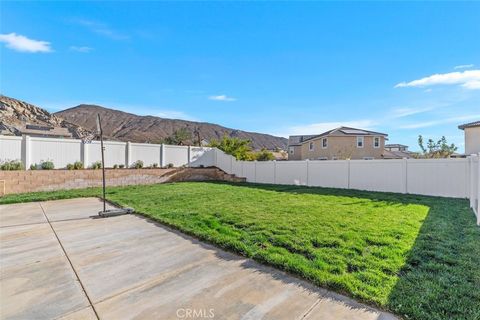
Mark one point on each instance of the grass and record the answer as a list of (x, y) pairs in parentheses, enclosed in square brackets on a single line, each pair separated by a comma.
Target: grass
[(416, 256)]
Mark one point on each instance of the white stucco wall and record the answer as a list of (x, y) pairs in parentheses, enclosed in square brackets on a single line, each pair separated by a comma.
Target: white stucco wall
[(472, 140)]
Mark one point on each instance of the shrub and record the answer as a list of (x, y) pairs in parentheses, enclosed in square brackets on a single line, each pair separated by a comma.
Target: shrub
[(33, 166), (170, 165), (96, 165), (78, 165), (115, 166), (70, 166), (121, 166), (138, 164), (11, 165), (264, 155), (47, 165), (155, 165)]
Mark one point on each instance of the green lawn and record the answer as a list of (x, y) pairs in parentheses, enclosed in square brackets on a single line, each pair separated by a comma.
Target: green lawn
[(416, 256)]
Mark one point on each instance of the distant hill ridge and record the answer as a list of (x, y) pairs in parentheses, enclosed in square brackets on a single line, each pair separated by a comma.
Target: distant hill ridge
[(118, 125), (130, 127)]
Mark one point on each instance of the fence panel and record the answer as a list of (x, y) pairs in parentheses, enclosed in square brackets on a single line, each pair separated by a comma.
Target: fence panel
[(237, 167), (291, 172), (10, 148), (148, 153), (200, 156), (60, 151), (224, 161), (378, 175), (438, 177), (328, 173), (265, 172), (176, 155), (249, 171), (115, 153)]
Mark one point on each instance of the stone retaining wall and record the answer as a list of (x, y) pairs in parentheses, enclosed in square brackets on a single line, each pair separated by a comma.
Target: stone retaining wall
[(49, 180)]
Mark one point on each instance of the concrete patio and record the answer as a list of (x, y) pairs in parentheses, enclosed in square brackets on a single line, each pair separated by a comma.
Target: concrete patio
[(59, 261)]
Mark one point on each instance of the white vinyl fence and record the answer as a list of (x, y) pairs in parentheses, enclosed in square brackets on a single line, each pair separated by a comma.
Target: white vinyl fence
[(34, 150), (458, 178)]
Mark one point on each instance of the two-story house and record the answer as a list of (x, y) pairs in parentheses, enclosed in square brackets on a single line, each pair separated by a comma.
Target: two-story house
[(472, 137), (339, 143)]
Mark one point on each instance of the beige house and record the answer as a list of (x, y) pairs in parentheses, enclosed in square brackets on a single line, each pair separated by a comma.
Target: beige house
[(472, 137), (339, 143)]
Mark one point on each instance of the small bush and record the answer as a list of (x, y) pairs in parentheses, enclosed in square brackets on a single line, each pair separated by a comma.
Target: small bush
[(138, 164), (121, 166), (155, 165), (170, 165), (47, 165), (96, 165), (11, 165), (78, 165), (115, 166), (33, 166)]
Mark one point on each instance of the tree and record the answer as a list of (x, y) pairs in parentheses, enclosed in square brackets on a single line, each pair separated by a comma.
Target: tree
[(439, 149), (179, 137), (264, 155), (239, 148)]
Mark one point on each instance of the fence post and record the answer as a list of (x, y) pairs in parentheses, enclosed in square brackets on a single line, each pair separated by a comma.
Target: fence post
[(255, 171), (128, 154), (405, 167), (478, 190), (84, 154), (189, 152), (26, 157), (274, 171), (162, 155), (471, 179), (348, 167), (307, 164)]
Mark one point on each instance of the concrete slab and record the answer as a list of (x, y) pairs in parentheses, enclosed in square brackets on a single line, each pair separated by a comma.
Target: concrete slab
[(21, 213), (69, 209), (133, 268)]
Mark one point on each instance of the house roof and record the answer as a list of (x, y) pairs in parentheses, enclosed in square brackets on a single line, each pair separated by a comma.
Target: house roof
[(396, 154), (340, 131), (469, 125), (395, 145)]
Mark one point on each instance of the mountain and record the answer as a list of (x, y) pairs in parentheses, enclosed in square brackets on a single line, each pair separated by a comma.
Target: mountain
[(130, 127), (19, 117)]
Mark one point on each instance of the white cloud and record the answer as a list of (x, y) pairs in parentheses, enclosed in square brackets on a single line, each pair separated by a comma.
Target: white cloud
[(468, 79), (82, 49), (101, 29), (23, 44), (221, 97), (173, 114), (464, 66), (433, 123), (320, 127)]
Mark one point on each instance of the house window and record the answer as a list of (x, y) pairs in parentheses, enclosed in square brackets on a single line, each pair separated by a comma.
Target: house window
[(376, 142), (359, 142), (322, 158), (324, 143), (292, 151), (367, 158), (310, 146)]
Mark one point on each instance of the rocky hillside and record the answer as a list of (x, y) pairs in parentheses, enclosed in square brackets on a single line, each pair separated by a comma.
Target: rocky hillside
[(130, 127), (16, 114)]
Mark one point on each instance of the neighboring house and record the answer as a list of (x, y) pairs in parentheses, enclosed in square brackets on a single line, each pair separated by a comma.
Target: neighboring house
[(396, 151), (472, 137), (339, 143), (34, 130)]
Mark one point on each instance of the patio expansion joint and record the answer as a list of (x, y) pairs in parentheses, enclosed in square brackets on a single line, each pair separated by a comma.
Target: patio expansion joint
[(70, 262), (309, 310)]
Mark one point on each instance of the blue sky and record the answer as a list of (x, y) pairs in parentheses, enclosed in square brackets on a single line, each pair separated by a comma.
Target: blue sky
[(275, 67)]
